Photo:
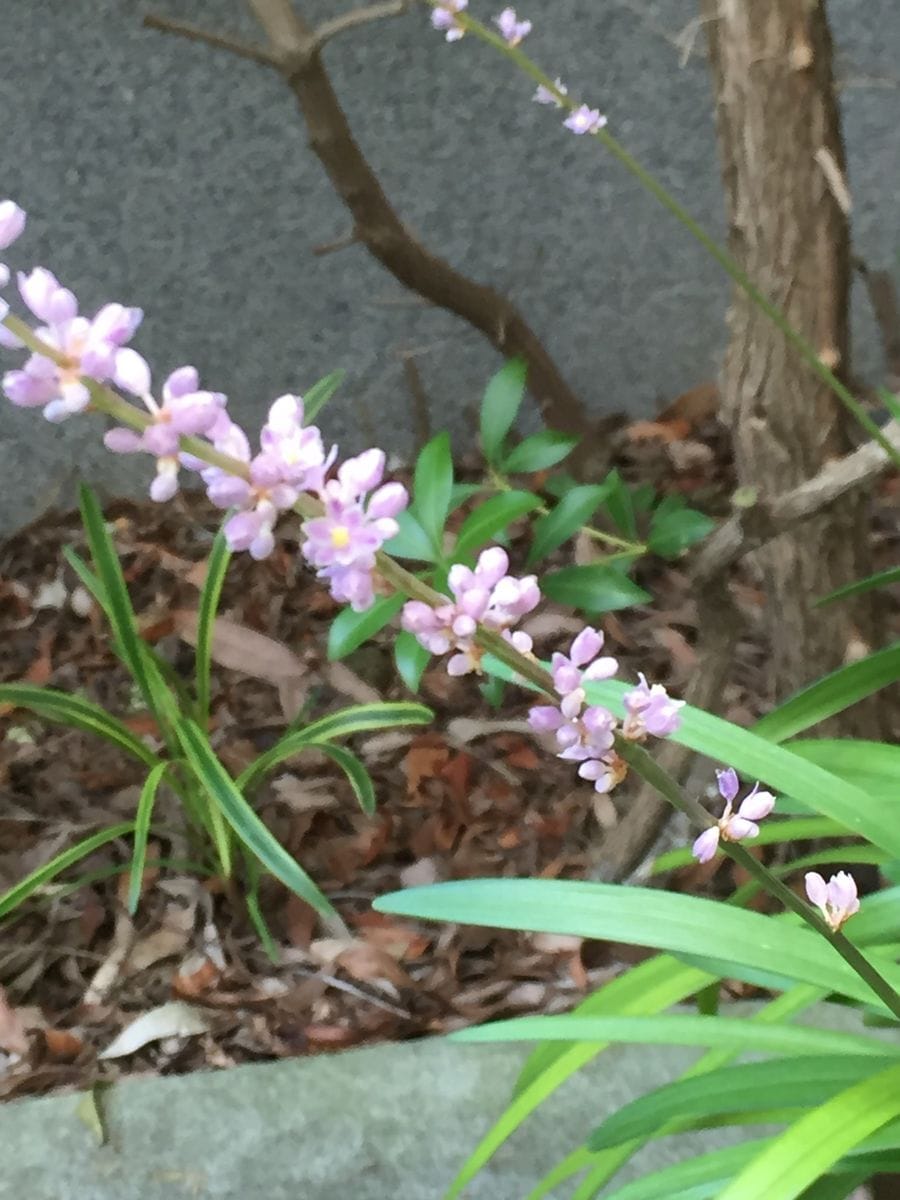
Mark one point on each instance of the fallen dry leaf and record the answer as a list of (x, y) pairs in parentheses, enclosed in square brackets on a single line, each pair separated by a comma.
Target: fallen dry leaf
[(62, 1046), (175, 1019), (241, 649), (13, 1038)]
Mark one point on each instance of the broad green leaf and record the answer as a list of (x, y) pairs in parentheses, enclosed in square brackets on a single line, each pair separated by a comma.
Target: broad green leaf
[(411, 658), (502, 400), (117, 602), (565, 519), (879, 580), (539, 451), (350, 629), (650, 987), (31, 883), (358, 718), (675, 529), (411, 541), (594, 588), (141, 832), (489, 519), (433, 487), (755, 757), (620, 505), (819, 1140), (216, 567), (832, 694), (224, 795), (872, 766), (316, 397), (357, 775), (697, 1100), (679, 924), (77, 713), (727, 1033)]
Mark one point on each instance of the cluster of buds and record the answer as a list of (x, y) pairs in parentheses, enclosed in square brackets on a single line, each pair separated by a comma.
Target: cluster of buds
[(487, 596), (733, 826)]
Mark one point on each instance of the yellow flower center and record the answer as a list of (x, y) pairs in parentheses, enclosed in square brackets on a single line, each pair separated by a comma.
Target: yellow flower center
[(340, 537)]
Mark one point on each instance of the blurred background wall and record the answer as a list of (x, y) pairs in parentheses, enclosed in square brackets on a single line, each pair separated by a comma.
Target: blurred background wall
[(161, 173)]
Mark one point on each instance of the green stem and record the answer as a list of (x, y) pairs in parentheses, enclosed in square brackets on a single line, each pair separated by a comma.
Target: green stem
[(650, 770), (501, 484), (804, 348)]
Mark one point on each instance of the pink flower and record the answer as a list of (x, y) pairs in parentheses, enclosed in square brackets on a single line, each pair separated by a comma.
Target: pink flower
[(544, 95), (512, 30), (90, 348), (444, 18), (485, 596), (650, 710), (295, 450), (584, 733), (185, 411), (837, 898), (733, 826), (343, 543), (12, 223), (585, 120)]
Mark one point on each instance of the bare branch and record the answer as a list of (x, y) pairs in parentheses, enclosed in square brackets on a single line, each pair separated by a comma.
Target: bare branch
[(296, 47), (341, 243), (219, 41), (360, 16)]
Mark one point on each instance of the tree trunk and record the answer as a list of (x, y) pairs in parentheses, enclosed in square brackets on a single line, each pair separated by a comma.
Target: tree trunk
[(783, 169)]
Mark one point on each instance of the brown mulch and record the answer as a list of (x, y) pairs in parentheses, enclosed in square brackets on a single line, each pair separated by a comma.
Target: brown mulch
[(472, 795)]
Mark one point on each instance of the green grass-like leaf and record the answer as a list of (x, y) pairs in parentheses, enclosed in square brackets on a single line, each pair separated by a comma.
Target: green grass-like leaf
[(216, 568), (77, 713), (12, 898), (225, 796), (141, 833)]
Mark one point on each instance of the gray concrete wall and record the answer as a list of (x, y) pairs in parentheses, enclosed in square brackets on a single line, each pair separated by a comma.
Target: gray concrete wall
[(160, 173)]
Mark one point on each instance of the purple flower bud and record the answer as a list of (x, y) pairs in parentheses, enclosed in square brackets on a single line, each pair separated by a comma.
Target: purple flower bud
[(512, 30), (544, 95), (122, 441), (46, 297), (545, 718), (728, 784), (12, 223), (837, 899), (116, 324), (585, 120), (586, 647), (756, 804), (132, 372), (706, 845), (444, 18)]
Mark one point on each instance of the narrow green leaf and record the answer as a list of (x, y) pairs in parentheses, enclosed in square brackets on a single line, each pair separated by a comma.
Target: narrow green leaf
[(594, 588), (350, 629), (141, 833), (565, 519), (29, 885), (490, 518), (696, 1101), (727, 1033), (357, 775), (539, 451), (699, 1178), (216, 568), (819, 1140), (679, 924), (254, 909), (86, 576), (411, 658), (433, 487), (502, 400), (117, 601), (649, 987), (77, 713), (316, 397), (223, 793), (832, 694), (411, 541), (879, 580), (358, 718)]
